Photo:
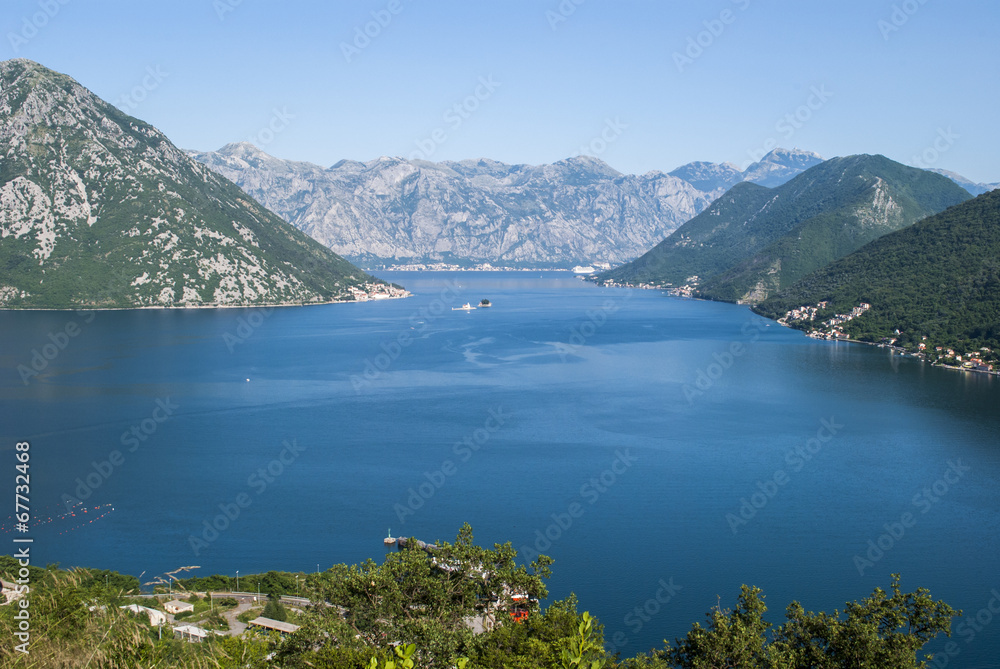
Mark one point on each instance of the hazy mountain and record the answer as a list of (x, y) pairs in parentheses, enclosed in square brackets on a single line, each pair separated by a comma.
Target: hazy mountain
[(99, 209), (709, 177), (779, 166), (754, 240), (971, 186), (939, 278), (391, 210)]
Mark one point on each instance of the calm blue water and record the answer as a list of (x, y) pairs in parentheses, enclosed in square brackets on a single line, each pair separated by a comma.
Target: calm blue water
[(618, 422)]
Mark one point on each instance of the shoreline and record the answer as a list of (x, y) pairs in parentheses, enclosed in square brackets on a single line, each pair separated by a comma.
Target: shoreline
[(894, 350), (811, 334), (210, 306)]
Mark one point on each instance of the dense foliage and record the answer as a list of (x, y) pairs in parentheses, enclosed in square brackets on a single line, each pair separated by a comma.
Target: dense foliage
[(449, 607), (938, 279), (753, 241)]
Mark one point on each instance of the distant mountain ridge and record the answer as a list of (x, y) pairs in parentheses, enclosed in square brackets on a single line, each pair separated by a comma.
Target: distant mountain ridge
[(753, 240), (98, 209), (967, 184), (575, 211), (772, 170)]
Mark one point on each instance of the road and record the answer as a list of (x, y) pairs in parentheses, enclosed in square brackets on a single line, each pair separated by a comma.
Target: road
[(246, 601)]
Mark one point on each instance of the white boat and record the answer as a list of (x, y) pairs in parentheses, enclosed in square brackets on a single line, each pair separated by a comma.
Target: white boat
[(464, 307), (583, 270)]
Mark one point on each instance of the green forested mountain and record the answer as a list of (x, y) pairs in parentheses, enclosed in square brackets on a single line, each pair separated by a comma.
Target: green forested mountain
[(98, 209), (939, 278), (754, 241)]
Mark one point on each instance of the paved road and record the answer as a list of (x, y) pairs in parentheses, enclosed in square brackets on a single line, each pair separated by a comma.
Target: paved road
[(237, 628)]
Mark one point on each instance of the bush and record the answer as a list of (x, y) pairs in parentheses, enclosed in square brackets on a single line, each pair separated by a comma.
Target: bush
[(275, 610), (247, 616)]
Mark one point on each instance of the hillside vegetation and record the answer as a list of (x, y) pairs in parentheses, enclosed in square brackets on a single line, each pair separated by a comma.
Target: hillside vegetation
[(419, 609), (754, 241), (938, 279)]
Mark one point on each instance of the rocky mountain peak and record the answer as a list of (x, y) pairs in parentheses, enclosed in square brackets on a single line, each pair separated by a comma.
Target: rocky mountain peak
[(98, 208), (577, 210)]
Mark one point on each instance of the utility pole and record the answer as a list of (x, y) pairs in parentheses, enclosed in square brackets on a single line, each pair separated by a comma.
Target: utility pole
[(237, 580)]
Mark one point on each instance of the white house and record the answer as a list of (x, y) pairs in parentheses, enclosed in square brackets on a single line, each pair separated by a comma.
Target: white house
[(190, 633), (155, 617), (177, 606)]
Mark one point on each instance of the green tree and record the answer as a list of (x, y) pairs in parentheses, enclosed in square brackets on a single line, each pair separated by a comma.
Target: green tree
[(880, 632), (274, 609), (736, 638), (430, 597)]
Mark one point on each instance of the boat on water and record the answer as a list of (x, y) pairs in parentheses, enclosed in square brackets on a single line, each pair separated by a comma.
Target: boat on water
[(484, 303), (464, 307)]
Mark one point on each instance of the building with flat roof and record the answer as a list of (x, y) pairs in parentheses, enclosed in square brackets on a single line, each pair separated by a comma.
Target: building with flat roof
[(176, 606), (190, 633), (274, 625)]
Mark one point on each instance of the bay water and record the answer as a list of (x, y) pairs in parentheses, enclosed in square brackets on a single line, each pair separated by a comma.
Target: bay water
[(664, 451)]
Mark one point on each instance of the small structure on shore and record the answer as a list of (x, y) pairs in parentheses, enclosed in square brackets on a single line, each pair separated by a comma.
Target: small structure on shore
[(274, 625), (176, 606), (190, 633), (403, 542)]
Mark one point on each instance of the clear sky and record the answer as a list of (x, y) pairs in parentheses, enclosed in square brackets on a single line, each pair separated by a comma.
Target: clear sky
[(644, 85)]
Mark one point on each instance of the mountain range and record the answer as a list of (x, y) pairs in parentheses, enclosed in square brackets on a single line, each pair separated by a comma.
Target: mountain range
[(754, 240), (576, 211), (98, 209), (392, 211)]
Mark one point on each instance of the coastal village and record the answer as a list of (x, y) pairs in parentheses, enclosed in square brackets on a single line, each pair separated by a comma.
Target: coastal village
[(833, 329), (688, 289), (377, 291)]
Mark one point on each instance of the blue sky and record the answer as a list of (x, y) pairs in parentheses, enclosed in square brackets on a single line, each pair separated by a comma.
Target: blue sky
[(642, 85)]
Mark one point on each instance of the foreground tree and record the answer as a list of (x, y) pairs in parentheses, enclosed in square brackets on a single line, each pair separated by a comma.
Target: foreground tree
[(880, 632)]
